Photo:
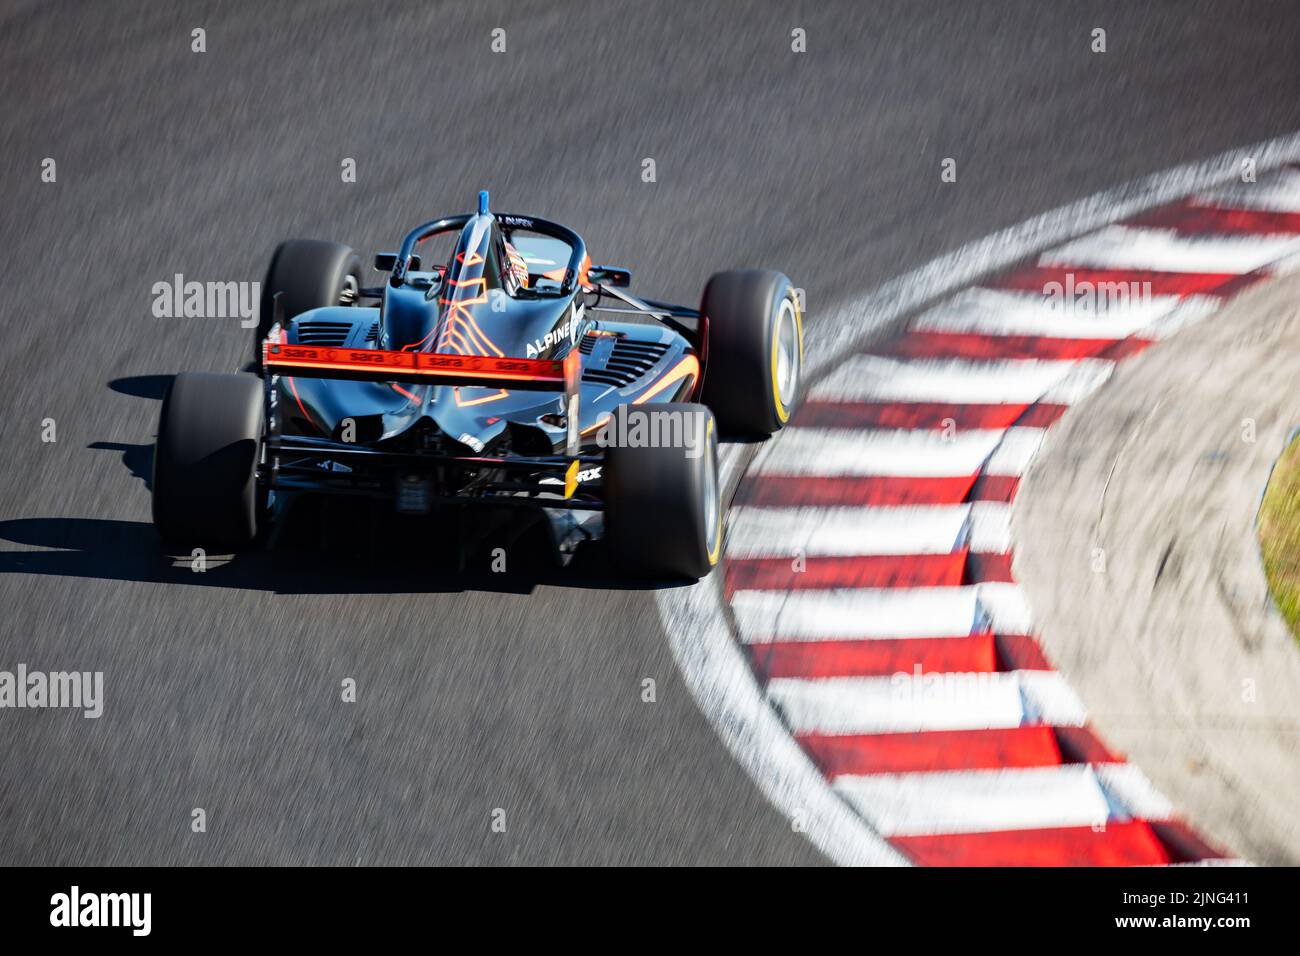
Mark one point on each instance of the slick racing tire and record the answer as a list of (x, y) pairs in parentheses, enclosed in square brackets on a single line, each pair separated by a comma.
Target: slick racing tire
[(755, 350), (663, 507), (310, 273), (205, 490)]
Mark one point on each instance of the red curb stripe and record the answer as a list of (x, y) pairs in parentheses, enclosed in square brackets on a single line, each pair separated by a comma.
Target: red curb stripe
[(1191, 218), (868, 571), (792, 491), (1082, 745), (1185, 843), (1020, 652), (1035, 278), (963, 345), (937, 415), (884, 657), (1244, 281), (934, 750), (855, 571), (1127, 843), (876, 657), (781, 491), (994, 488), (983, 567)]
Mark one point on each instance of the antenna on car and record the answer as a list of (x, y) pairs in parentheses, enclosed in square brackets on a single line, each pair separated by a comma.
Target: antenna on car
[(482, 202)]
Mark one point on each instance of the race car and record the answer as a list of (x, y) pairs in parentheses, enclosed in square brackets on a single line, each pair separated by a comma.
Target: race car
[(508, 377)]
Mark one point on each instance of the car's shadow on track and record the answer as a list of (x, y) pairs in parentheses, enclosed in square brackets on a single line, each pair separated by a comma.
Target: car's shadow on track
[(143, 386), (108, 550), (138, 459)]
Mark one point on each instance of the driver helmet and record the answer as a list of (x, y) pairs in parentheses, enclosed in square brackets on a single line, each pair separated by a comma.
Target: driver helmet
[(516, 267)]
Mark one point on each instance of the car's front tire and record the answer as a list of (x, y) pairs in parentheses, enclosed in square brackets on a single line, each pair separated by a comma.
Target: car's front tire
[(205, 490), (755, 350), (663, 507), (309, 274)]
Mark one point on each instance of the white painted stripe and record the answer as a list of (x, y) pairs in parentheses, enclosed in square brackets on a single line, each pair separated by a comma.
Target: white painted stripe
[(815, 532), (904, 453), (1132, 794), (1050, 700), (904, 703), (865, 613), (1191, 310), (856, 613), (989, 527), (1279, 191), (1000, 312), (1163, 250), (914, 453), (877, 705), (1285, 267), (1014, 453), (871, 378), (978, 801), (755, 532), (1086, 377), (1003, 608)]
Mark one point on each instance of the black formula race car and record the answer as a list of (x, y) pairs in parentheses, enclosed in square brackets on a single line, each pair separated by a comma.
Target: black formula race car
[(495, 372)]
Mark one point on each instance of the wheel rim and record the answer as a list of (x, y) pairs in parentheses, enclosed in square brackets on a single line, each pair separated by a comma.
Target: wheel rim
[(786, 367), (712, 500), (350, 290)]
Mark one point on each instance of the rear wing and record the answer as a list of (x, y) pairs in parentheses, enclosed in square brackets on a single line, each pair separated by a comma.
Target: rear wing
[(435, 368), (421, 368)]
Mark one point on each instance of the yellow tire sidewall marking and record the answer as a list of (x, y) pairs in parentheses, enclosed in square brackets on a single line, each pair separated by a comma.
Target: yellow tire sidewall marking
[(716, 548), (783, 413)]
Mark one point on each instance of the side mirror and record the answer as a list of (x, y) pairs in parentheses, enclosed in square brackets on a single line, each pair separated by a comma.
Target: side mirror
[(384, 262), (610, 276)]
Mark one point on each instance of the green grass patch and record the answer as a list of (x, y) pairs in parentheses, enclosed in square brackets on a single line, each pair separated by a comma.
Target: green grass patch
[(1279, 535)]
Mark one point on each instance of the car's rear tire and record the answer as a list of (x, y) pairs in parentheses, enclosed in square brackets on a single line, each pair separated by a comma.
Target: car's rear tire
[(663, 508), (310, 274), (755, 350), (205, 490)]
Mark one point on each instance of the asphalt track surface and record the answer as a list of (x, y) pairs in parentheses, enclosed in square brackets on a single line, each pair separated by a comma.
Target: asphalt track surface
[(478, 692)]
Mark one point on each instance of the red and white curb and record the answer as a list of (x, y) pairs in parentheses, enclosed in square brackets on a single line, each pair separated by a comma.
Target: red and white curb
[(870, 659)]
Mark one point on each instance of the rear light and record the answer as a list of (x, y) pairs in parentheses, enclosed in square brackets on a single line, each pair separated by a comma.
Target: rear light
[(414, 493)]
